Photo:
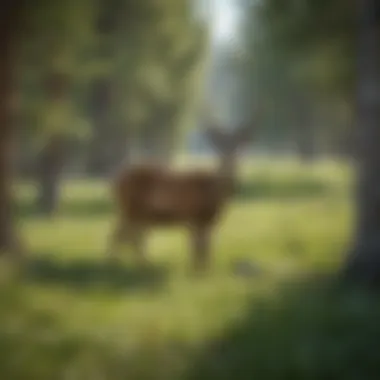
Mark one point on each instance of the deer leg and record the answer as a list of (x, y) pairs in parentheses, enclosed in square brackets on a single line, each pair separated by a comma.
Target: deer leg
[(201, 247), (137, 238), (117, 237)]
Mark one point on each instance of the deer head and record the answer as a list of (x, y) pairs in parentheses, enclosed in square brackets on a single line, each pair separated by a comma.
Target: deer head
[(227, 144)]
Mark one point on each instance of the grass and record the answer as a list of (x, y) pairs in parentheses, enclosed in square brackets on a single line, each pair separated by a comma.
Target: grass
[(70, 316)]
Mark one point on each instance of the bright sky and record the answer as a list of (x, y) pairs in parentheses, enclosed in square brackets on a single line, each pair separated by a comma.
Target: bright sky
[(224, 16)]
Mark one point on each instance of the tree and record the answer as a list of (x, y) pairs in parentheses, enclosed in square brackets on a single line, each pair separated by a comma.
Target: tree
[(325, 34), (268, 75), (172, 95), (147, 86), (108, 141), (364, 260), (59, 33), (303, 50), (10, 14)]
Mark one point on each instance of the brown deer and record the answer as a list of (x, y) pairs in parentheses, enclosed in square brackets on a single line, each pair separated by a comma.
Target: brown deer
[(151, 196)]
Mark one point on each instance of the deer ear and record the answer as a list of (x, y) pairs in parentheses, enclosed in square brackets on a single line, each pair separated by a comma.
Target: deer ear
[(245, 134), (213, 132), (216, 136)]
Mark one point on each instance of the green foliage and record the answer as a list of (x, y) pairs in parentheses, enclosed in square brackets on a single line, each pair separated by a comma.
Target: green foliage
[(318, 32), (58, 38), (149, 53), (299, 59), (168, 74), (59, 33)]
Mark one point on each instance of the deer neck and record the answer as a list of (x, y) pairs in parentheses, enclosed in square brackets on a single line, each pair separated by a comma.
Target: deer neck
[(227, 174)]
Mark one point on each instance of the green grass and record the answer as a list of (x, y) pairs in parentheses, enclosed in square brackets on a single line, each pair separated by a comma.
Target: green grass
[(70, 316)]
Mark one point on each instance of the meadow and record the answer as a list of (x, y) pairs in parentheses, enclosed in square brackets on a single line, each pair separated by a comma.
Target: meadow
[(266, 310)]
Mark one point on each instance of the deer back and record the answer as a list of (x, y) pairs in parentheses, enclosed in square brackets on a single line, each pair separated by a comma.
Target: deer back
[(152, 194)]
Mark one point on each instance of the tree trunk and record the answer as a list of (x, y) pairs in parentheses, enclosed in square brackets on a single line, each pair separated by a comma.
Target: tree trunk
[(363, 264), (305, 131), (346, 145), (50, 167), (100, 108), (305, 142), (109, 144), (106, 154), (9, 16), (157, 145), (51, 158)]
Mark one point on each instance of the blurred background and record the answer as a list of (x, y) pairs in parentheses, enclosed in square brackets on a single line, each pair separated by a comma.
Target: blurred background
[(90, 85)]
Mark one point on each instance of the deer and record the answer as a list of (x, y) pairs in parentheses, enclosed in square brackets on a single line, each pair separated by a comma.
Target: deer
[(150, 195)]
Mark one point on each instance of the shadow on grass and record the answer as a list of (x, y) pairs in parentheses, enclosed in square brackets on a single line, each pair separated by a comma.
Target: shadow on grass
[(309, 330), (86, 274), (36, 345), (306, 330)]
